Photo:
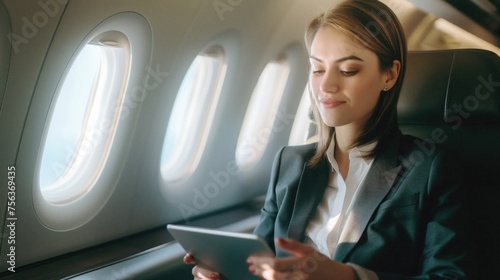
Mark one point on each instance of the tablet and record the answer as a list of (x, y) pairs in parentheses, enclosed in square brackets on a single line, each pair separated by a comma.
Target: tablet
[(221, 251)]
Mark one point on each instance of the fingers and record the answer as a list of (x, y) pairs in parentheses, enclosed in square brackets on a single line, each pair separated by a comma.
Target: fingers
[(268, 267), (269, 262), (188, 259), (300, 250), (202, 273), (198, 272), (305, 262), (295, 248)]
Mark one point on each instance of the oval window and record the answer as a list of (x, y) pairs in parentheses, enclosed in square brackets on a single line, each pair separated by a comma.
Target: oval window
[(192, 115), (84, 117), (261, 113)]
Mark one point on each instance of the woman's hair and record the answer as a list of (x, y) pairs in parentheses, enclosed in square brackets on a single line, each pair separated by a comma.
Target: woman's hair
[(373, 25)]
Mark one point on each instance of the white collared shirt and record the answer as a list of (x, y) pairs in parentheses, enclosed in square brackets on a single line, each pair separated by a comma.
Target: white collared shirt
[(325, 228)]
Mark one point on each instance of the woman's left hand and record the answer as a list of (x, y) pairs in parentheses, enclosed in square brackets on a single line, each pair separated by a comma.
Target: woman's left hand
[(305, 263)]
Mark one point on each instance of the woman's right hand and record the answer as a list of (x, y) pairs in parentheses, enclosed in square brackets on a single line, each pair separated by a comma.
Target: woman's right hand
[(198, 272)]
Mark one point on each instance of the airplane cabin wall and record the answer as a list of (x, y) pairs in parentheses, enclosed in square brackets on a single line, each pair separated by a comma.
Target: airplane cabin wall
[(136, 198), (5, 49), (28, 42)]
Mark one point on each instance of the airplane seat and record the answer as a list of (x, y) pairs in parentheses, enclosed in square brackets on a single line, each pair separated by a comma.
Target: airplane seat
[(452, 98)]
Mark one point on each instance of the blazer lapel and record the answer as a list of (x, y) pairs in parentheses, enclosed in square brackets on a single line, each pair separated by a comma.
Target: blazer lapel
[(378, 182), (310, 191)]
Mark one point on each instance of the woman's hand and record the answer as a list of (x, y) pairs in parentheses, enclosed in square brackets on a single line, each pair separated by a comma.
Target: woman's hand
[(306, 263), (198, 272)]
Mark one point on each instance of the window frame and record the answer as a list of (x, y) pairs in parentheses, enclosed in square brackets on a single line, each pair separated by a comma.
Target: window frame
[(71, 215)]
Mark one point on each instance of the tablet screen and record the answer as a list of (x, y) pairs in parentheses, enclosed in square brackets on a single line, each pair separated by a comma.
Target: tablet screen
[(221, 251)]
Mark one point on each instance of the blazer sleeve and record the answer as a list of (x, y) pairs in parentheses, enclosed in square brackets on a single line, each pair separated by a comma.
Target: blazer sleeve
[(269, 212)]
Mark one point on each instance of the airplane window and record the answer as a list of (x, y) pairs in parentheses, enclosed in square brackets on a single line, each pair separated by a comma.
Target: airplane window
[(304, 127), (261, 113), (83, 119), (192, 114)]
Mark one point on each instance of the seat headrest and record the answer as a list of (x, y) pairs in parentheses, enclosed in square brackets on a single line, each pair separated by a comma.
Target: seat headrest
[(451, 86)]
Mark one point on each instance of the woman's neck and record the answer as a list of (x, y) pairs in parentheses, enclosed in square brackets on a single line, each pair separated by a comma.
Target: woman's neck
[(345, 137)]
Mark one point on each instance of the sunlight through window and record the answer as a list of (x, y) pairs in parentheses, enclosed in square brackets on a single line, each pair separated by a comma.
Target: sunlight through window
[(261, 113), (83, 120), (304, 126), (192, 115)]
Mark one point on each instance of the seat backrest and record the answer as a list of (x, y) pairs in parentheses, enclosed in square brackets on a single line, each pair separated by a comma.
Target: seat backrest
[(452, 98)]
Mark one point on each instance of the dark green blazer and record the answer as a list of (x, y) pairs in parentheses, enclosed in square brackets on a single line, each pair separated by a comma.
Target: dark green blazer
[(408, 220)]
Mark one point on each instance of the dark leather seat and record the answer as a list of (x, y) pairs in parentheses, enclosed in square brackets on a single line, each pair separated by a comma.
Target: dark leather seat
[(452, 98)]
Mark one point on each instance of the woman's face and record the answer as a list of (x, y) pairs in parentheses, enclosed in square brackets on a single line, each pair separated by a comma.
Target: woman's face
[(345, 79)]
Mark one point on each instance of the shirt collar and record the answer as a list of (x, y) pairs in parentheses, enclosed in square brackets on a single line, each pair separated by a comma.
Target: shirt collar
[(355, 153)]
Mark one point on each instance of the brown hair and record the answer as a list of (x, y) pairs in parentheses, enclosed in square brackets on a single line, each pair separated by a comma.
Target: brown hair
[(373, 25)]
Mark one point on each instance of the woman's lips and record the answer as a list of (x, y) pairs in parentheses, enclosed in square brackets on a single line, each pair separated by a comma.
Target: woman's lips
[(330, 103)]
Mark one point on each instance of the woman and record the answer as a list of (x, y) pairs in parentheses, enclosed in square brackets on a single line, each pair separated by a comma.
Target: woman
[(359, 204)]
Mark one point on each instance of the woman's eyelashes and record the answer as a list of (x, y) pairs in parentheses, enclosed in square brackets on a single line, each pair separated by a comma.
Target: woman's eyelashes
[(348, 72), (319, 72)]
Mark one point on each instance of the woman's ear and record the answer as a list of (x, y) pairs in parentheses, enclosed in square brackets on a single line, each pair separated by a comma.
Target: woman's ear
[(392, 74)]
